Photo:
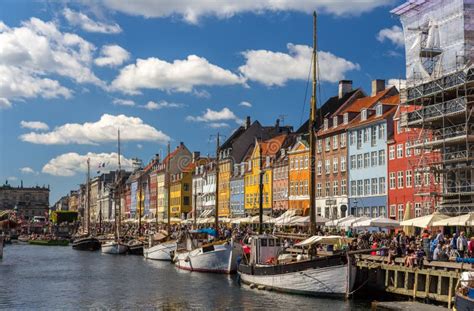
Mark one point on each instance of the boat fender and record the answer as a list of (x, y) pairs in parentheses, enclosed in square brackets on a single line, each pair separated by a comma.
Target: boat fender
[(252, 286)]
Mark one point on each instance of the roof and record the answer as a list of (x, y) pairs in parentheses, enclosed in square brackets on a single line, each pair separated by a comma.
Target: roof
[(373, 117), (368, 101), (391, 100), (272, 146)]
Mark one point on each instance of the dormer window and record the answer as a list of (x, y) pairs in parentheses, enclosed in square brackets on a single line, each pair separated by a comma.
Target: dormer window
[(379, 110), (363, 114), (346, 117), (334, 121), (326, 124)]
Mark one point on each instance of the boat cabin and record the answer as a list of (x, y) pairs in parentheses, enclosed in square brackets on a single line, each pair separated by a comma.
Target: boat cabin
[(264, 249)]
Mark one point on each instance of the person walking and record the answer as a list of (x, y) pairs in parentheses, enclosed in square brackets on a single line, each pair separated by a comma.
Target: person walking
[(461, 244)]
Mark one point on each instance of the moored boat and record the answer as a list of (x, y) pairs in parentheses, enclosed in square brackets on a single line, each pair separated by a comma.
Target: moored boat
[(135, 247), (86, 244), (114, 248), (49, 242), (163, 251), (464, 300)]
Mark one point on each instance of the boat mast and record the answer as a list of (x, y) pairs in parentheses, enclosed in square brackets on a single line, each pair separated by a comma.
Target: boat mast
[(217, 186), (140, 205), (88, 197), (260, 186), (312, 138), (168, 184), (118, 190)]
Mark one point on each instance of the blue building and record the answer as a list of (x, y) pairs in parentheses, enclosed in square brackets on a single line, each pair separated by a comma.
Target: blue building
[(367, 152), (237, 191)]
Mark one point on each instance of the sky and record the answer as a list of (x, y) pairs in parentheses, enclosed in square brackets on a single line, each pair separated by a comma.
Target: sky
[(74, 72)]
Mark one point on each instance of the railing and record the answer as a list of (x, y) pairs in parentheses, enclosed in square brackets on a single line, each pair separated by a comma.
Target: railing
[(451, 106), (451, 132)]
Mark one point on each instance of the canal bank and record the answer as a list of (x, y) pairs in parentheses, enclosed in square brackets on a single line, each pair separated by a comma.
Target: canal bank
[(61, 278)]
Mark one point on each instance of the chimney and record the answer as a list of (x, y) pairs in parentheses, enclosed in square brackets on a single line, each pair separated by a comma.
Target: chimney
[(277, 124), (196, 155), (247, 122), (378, 85), (345, 86)]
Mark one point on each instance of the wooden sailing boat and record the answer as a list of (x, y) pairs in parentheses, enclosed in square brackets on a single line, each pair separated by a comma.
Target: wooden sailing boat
[(217, 257), (89, 242), (166, 248), (308, 273), (116, 247)]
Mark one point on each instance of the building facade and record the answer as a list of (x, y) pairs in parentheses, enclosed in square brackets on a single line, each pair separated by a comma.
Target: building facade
[(27, 201), (298, 158)]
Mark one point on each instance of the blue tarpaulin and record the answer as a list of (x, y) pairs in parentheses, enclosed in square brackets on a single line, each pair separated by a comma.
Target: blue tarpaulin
[(209, 231)]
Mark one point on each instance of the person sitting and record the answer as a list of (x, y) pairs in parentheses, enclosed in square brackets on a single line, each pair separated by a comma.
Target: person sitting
[(410, 257), (392, 253)]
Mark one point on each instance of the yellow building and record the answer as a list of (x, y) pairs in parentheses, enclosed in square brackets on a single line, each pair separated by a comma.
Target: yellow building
[(269, 149), (224, 187), (181, 191)]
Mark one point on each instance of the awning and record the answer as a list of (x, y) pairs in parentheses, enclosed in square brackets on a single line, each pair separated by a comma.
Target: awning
[(244, 220), (380, 222), (337, 222), (424, 221), (316, 239), (256, 219), (351, 221), (462, 220)]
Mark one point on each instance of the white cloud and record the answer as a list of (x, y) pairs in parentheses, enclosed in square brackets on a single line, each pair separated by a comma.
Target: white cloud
[(276, 68), (123, 102), (36, 49), (5, 103), (215, 118), (178, 76), (191, 10), (112, 55), (394, 34), (87, 24), (12, 178), (245, 104), (151, 105), (69, 164), (27, 170), (398, 83), (34, 125), (202, 94), (102, 131)]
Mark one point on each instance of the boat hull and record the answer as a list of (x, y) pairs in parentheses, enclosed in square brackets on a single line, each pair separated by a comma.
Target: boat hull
[(221, 259), (135, 250), (328, 280), (114, 248), (464, 303), (86, 244), (163, 251), (49, 242)]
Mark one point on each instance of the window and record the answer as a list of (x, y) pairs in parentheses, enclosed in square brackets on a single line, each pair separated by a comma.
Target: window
[(366, 160), (327, 167), (373, 136), (326, 124), (346, 118), (374, 211), (382, 131), (353, 188), (328, 188), (426, 177), (382, 212), (407, 149), (319, 145), (185, 187), (381, 157), (375, 187), (359, 139), (352, 138), (417, 179), (328, 144), (399, 151), (417, 209), (343, 164), (292, 188), (382, 185), (360, 189), (400, 211), (306, 162), (391, 152), (393, 207), (359, 161), (366, 135), (292, 164), (363, 114), (335, 142), (320, 167), (343, 140), (408, 178), (318, 189), (366, 186), (373, 158), (305, 189), (353, 162), (400, 179), (335, 188), (186, 200), (379, 110), (334, 121), (392, 180), (343, 187), (335, 165)]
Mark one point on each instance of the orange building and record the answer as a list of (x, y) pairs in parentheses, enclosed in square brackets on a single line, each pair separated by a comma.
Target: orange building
[(298, 158)]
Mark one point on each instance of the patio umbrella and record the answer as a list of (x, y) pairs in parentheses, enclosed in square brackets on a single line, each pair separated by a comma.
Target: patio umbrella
[(462, 220), (406, 216), (380, 222), (424, 221), (351, 221), (336, 222)]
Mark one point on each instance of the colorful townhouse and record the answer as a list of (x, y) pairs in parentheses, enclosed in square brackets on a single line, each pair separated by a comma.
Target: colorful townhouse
[(298, 176), (367, 153), (280, 177), (331, 155), (181, 191), (408, 186), (237, 190)]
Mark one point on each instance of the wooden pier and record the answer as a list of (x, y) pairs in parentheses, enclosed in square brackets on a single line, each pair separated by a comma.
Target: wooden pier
[(436, 281)]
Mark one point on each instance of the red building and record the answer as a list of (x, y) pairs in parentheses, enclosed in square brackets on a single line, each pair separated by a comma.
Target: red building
[(410, 184)]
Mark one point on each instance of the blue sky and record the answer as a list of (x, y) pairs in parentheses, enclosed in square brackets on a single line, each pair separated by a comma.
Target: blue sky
[(71, 72)]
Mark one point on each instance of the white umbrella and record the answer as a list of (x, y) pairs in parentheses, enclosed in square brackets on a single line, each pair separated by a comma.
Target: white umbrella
[(423, 221), (256, 219), (336, 222), (351, 221), (320, 220), (462, 220), (380, 222), (329, 239)]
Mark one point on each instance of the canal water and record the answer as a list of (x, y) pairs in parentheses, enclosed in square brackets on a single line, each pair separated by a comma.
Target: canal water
[(42, 277)]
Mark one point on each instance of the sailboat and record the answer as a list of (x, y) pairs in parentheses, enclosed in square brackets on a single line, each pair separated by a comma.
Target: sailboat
[(199, 255), (116, 247), (87, 243), (167, 247), (310, 273)]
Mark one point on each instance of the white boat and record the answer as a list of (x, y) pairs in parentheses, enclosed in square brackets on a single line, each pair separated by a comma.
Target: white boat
[(115, 248), (163, 251), (329, 276), (215, 258)]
